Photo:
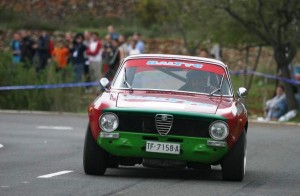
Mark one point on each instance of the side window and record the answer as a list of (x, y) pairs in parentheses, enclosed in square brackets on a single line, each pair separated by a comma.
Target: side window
[(225, 87)]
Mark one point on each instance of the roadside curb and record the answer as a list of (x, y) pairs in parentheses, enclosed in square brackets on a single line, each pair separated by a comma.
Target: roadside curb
[(274, 122), (41, 112)]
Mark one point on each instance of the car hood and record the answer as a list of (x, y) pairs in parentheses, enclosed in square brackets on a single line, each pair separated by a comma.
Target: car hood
[(169, 102)]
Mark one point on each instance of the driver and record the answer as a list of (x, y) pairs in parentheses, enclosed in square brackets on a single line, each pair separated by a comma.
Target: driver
[(197, 81)]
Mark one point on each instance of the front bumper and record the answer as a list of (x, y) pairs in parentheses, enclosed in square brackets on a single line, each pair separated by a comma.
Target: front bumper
[(192, 149)]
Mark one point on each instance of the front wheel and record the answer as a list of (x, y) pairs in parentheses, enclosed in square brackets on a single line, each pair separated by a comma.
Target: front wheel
[(234, 163), (94, 157)]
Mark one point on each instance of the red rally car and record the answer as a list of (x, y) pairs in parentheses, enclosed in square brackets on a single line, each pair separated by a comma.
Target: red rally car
[(168, 111)]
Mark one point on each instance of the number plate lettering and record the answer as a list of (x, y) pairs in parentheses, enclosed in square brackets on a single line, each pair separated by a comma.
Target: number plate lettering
[(161, 147)]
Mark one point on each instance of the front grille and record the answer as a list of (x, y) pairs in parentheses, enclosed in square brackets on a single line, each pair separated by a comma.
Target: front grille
[(181, 126), (163, 123)]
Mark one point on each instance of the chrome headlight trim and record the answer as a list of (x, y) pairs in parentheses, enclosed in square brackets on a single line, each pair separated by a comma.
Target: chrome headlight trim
[(111, 116), (223, 126)]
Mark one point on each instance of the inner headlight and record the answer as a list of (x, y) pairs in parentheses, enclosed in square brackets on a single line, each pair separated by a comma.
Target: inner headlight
[(218, 130), (108, 122)]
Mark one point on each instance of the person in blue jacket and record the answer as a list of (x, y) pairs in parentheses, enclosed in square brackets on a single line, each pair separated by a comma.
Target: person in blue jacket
[(16, 48)]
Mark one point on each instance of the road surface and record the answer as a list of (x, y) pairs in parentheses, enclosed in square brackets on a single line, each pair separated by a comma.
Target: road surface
[(41, 154)]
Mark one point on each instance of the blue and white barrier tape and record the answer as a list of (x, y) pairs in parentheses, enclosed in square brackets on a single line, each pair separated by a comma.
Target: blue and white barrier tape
[(49, 86), (85, 84), (249, 72)]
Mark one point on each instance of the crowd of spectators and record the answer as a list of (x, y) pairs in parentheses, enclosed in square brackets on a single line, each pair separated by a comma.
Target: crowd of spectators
[(90, 56)]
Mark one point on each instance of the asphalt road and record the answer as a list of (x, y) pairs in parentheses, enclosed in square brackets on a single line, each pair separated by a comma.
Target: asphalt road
[(35, 145)]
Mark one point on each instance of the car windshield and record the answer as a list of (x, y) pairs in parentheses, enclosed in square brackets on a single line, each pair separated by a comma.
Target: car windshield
[(173, 76)]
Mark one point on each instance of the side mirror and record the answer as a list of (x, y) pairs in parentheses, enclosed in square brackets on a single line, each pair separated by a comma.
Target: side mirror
[(104, 82), (242, 92)]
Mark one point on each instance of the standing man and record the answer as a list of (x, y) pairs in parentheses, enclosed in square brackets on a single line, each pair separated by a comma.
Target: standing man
[(124, 52), (87, 42), (43, 50), (77, 57), (114, 60), (139, 42), (27, 49), (94, 52)]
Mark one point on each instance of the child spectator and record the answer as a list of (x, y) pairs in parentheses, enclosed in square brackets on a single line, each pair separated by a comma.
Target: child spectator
[(16, 48), (60, 55)]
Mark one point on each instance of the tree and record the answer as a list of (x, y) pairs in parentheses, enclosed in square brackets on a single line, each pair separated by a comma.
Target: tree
[(188, 19), (276, 23)]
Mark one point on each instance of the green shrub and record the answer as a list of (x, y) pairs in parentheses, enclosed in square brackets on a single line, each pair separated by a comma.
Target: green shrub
[(58, 99)]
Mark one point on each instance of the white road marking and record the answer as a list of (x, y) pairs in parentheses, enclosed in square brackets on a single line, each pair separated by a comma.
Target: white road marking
[(54, 174), (1, 146), (4, 186), (55, 127)]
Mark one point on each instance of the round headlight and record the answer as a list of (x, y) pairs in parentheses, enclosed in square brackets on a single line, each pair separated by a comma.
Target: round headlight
[(108, 122), (218, 130)]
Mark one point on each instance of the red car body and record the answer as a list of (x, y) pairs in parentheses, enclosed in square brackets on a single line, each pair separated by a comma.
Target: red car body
[(220, 106)]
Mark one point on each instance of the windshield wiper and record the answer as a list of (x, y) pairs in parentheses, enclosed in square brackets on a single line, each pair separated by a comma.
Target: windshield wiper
[(125, 81), (220, 86)]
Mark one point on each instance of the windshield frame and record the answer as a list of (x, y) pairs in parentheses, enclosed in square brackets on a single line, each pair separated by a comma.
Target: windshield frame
[(122, 66)]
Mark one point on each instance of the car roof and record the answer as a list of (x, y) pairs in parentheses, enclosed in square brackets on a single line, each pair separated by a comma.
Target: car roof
[(177, 57)]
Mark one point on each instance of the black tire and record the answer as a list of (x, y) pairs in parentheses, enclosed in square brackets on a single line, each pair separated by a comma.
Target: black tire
[(234, 163), (94, 157)]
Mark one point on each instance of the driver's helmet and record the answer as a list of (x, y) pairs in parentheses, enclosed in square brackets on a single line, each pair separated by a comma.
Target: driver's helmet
[(197, 76)]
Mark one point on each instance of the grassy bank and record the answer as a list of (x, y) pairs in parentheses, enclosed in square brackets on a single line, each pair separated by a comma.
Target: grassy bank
[(59, 99)]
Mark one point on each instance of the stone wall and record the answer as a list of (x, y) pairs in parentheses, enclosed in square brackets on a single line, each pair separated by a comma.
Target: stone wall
[(61, 8)]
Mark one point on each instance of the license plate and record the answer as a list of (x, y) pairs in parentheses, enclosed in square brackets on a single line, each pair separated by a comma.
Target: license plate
[(162, 147)]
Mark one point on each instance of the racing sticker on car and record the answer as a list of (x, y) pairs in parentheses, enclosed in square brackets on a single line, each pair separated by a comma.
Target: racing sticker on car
[(177, 64), (164, 99)]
